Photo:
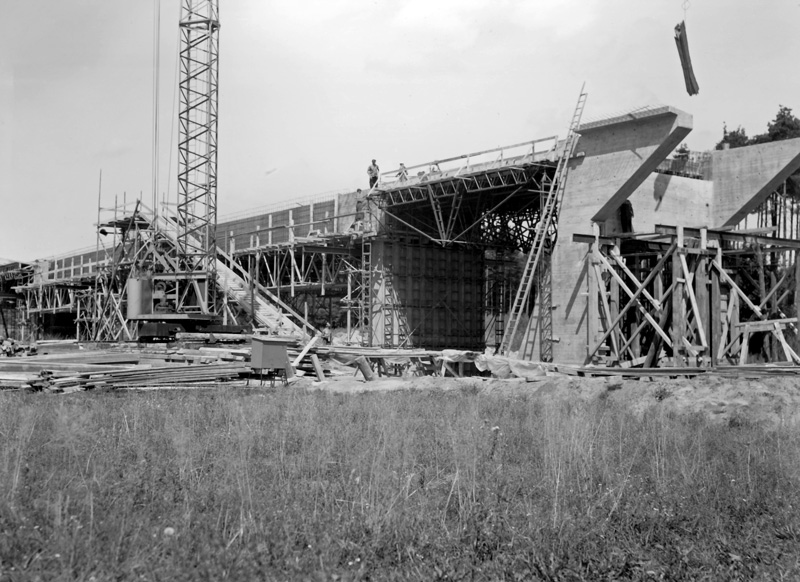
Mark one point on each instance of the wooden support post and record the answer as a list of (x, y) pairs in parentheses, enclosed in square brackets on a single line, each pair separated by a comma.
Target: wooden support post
[(613, 310), (607, 319), (715, 338), (449, 368), (745, 346), (289, 369), (734, 320), (678, 310), (762, 293), (655, 345), (702, 296), (773, 308), (593, 324), (797, 284), (317, 367), (632, 302), (693, 300), (363, 365)]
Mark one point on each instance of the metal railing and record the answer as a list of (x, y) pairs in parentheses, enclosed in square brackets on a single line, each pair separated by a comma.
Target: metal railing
[(515, 154)]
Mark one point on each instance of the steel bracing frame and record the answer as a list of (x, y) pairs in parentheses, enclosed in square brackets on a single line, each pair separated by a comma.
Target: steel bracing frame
[(494, 208), (138, 245), (197, 153)]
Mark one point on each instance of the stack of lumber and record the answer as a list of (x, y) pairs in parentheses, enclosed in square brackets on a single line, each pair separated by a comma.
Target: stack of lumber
[(142, 376), (119, 368)]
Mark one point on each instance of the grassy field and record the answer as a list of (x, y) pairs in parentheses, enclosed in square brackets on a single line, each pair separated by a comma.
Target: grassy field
[(424, 485)]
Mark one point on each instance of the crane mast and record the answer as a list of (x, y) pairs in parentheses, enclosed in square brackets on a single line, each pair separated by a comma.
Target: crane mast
[(197, 155)]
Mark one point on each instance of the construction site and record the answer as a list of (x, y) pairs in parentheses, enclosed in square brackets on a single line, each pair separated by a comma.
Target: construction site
[(572, 357), (602, 250)]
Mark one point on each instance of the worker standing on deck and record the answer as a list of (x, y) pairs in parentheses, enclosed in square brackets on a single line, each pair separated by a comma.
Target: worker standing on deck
[(626, 216), (402, 175), (373, 171)]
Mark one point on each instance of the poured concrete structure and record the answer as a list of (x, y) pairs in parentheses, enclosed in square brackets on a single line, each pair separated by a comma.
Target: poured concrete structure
[(615, 161), (434, 261)]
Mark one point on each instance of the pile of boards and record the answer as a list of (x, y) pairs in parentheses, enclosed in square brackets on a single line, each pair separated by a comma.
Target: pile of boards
[(74, 369)]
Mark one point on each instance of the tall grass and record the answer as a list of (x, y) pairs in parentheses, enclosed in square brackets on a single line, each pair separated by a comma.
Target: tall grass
[(422, 485)]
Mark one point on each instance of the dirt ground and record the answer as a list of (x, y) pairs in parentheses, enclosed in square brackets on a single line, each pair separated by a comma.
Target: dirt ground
[(770, 401)]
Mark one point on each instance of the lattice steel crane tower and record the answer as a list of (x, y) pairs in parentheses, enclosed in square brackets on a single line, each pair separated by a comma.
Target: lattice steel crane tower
[(197, 155)]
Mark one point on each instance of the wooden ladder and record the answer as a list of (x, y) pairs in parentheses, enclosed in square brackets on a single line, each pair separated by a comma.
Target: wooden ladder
[(545, 234)]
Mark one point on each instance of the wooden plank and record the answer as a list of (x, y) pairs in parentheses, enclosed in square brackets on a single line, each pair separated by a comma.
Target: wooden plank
[(745, 347), (306, 349), (693, 300), (642, 325), (716, 319), (317, 367), (635, 281), (593, 305), (606, 311), (632, 300), (653, 274), (449, 368), (678, 309), (736, 288), (766, 325), (797, 281), (774, 289)]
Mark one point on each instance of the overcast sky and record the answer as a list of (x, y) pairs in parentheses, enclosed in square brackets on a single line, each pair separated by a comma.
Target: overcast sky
[(310, 91)]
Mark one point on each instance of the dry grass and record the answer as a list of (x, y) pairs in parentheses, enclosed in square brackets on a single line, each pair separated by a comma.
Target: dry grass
[(421, 485)]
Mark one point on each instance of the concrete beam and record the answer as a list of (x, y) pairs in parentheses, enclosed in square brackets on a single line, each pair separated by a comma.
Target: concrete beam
[(613, 158), (649, 138), (744, 177)]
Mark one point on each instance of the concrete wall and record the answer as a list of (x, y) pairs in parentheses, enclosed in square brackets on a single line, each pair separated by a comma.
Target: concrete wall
[(440, 292), (744, 177), (614, 161), (666, 199), (276, 227)]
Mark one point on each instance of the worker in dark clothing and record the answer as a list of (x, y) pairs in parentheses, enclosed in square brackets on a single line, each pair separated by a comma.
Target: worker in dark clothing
[(373, 171), (626, 216)]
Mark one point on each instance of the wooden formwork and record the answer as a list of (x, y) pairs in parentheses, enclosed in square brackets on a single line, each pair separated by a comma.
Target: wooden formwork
[(691, 297)]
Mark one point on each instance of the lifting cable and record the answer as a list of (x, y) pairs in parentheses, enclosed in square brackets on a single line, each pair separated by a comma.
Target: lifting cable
[(156, 79)]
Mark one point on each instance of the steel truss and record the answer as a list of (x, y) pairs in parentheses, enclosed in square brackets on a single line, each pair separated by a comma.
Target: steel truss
[(134, 247), (338, 278), (297, 268), (489, 209), (197, 154), (318, 280), (495, 209), (691, 297)]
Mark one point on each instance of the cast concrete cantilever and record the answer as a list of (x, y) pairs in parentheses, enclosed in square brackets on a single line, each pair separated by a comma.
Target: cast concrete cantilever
[(650, 136), (744, 177)]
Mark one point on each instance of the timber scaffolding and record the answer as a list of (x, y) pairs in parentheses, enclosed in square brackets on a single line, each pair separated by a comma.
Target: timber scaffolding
[(429, 261), (434, 258), (692, 297)]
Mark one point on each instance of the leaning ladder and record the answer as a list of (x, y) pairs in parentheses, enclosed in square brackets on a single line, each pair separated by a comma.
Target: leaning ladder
[(548, 218)]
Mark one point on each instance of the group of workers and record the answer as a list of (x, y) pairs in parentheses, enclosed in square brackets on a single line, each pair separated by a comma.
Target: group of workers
[(374, 171)]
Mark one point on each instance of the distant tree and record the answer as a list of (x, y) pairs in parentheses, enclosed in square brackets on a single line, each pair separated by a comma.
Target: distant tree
[(735, 139), (759, 138), (682, 151), (784, 126)]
